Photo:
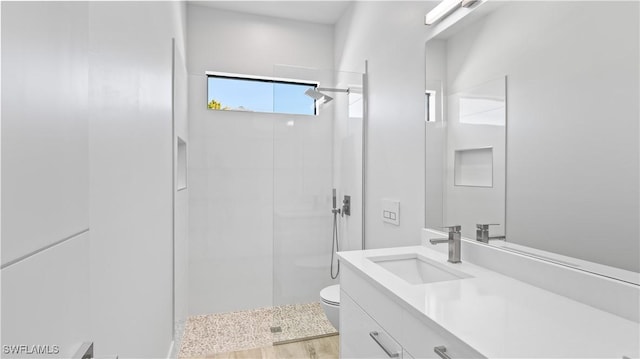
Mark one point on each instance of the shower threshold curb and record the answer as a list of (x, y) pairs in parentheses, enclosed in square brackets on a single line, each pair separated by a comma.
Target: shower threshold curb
[(289, 341)]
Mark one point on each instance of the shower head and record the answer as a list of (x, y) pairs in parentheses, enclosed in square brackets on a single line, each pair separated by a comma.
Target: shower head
[(317, 95)]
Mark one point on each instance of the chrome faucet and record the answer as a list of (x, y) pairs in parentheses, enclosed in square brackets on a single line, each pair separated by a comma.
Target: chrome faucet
[(454, 243), (482, 233)]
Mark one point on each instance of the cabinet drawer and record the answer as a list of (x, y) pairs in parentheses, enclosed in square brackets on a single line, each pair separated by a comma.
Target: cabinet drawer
[(361, 337), (420, 338), (374, 301)]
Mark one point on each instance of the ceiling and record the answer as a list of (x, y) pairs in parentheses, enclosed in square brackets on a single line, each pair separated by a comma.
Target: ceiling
[(321, 12)]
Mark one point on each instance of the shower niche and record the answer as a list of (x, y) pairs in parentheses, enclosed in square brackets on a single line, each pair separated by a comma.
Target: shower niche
[(181, 165), (473, 167)]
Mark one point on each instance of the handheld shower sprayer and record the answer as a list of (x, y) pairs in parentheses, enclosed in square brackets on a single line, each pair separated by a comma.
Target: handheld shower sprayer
[(335, 209), (334, 198), (335, 245)]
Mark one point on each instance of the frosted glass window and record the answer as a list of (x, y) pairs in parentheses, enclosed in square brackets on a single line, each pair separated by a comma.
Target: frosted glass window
[(238, 93)]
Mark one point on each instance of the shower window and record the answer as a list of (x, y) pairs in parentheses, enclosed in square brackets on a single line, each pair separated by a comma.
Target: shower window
[(233, 92)]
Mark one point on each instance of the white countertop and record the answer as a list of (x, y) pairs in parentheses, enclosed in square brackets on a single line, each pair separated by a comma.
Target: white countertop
[(501, 317)]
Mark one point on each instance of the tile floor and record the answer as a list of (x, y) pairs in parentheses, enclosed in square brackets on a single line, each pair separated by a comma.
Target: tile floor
[(207, 335)]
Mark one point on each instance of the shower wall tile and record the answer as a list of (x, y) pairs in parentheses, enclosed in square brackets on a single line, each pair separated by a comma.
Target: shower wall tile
[(229, 284), (231, 208), (198, 226), (243, 228), (238, 124), (285, 154), (302, 218), (240, 185), (235, 151)]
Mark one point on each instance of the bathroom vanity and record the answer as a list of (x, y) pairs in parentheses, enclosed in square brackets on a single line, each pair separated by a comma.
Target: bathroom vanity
[(556, 281), (409, 302)]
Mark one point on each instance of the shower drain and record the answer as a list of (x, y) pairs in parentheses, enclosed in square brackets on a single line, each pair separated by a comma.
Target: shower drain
[(276, 329)]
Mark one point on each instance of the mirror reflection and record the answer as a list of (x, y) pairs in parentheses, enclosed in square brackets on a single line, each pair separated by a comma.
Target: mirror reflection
[(571, 157), (465, 148), (474, 186)]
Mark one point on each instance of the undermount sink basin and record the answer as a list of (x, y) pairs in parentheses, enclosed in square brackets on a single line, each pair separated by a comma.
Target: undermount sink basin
[(416, 269)]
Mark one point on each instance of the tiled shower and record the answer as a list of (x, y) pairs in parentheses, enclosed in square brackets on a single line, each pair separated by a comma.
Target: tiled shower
[(260, 211)]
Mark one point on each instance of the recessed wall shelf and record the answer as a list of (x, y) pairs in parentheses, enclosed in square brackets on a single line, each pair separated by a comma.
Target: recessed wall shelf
[(474, 167)]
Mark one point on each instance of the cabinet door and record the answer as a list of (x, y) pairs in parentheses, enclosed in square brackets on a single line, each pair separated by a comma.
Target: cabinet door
[(361, 336)]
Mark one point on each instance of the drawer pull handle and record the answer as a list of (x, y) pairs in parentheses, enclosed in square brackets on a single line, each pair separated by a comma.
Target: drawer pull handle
[(442, 352), (376, 337)]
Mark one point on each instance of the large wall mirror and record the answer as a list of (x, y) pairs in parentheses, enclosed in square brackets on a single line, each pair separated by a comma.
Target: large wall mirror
[(532, 125)]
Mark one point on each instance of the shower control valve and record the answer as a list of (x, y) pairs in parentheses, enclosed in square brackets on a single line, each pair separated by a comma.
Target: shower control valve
[(346, 206)]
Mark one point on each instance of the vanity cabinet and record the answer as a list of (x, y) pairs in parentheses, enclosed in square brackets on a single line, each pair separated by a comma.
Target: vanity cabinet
[(366, 309), (367, 339), (484, 315)]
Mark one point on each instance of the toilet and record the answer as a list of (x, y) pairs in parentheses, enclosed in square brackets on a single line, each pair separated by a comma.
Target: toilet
[(330, 300)]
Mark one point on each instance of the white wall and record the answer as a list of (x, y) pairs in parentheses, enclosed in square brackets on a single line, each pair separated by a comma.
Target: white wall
[(45, 105), (46, 299), (573, 146), (390, 35), (45, 166), (87, 146), (131, 175), (181, 214), (0, 170), (240, 162)]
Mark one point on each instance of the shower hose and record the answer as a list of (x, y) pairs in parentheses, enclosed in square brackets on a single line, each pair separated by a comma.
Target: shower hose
[(335, 244)]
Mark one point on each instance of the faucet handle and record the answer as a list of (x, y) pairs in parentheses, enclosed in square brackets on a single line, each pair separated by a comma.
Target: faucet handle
[(454, 229), (486, 226)]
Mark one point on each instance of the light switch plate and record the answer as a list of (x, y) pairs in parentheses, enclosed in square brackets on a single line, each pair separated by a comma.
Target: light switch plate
[(391, 211)]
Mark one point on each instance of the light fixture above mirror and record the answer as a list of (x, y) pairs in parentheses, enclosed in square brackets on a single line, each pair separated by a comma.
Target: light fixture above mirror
[(444, 8)]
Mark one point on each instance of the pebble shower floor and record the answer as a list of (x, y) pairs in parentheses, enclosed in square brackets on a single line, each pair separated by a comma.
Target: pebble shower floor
[(225, 332)]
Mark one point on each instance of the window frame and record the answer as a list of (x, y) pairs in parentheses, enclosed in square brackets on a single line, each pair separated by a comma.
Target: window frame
[(274, 80)]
